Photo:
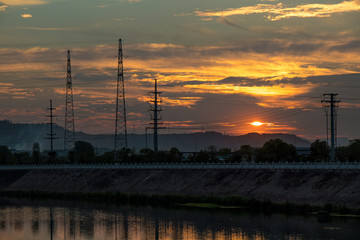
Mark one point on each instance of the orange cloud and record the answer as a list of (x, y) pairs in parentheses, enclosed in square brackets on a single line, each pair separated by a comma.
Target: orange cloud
[(6, 84), (274, 91), (24, 114), (23, 2), (16, 67), (199, 66), (95, 68), (279, 12), (16, 93), (25, 15), (135, 114), (181, 101)]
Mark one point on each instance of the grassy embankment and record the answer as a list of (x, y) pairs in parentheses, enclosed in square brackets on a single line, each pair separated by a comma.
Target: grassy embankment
[(208, 202)]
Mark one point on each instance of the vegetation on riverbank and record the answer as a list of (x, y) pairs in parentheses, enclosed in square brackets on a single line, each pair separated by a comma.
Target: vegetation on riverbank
[(274, 150), (234, 203)]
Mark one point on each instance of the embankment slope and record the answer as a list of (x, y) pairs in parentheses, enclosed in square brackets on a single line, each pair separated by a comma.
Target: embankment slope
[(315, 187)]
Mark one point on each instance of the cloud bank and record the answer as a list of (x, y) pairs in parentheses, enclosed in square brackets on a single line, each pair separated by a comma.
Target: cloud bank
[(23, 2), (279, 11)]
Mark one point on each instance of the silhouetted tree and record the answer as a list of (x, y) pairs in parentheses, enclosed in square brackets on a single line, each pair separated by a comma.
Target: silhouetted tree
[(147, 155), (107, 157), (211, 150), (5, 155), (36, 153), (71, 156), (126, 155), (276, 150), (342, 153), (51, 157), (202, 156), (246, 152), (224, 153), (22, 158), (161, 156), (84, 152), (319, 151), (174, 155), (354, 150)]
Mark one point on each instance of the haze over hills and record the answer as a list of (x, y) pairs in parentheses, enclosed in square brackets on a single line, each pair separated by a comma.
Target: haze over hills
[(22, 136)]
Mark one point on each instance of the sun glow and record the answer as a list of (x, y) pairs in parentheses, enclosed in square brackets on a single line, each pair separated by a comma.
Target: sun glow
[(257, 124)]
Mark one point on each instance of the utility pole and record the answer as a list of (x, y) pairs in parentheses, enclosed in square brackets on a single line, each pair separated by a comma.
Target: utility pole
[(146, 139), (51, 134), (325, 107), (156, 117), (69, 133), (333, 122), (120, 116)]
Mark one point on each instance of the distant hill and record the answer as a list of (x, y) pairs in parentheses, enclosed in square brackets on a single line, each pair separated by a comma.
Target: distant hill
[(22, 136)]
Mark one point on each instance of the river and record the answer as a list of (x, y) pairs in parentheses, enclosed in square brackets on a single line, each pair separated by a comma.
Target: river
[(30, 220)]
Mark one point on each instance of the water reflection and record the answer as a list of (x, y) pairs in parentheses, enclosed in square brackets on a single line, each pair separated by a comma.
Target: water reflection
[(27, 220)]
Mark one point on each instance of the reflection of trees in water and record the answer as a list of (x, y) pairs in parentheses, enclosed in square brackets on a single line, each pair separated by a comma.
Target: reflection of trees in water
[(116, 223), (125, 228), (35, 226), (108, 224), (86, 223), (35, 216), (18, 217), (2, 224), (72, 224), (51, 223), (2, 220), (127, 223)]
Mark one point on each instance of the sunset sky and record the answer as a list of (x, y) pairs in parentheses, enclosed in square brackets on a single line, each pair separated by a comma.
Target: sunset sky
[(228, 66)]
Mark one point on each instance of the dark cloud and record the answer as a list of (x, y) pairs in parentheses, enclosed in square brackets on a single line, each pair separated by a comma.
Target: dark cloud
[(343, 79), (90, 78), (348, 46), (273, 46)]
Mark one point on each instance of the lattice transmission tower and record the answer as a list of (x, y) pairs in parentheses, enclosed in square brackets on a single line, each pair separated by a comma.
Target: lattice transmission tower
[(120, 116), (69, 135)]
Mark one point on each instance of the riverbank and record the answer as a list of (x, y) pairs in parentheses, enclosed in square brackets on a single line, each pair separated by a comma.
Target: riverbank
[(300, 187), (228, 203)]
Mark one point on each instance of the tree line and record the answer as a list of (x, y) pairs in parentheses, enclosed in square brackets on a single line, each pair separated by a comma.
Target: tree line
[(274, 150)]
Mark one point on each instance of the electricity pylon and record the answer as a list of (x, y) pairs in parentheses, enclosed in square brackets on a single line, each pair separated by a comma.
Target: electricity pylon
[(120, 116), (69, 133)]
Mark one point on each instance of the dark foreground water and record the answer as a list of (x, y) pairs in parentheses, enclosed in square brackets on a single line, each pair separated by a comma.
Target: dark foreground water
[(25, 220)]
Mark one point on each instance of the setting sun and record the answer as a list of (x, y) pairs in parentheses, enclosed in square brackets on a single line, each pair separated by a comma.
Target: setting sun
[(257, 124)]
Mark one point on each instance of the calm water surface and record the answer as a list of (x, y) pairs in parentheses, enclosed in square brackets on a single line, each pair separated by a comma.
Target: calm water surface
[(25, 220)]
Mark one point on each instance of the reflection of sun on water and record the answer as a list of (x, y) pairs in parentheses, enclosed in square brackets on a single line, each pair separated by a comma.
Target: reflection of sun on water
[(257, 124)]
